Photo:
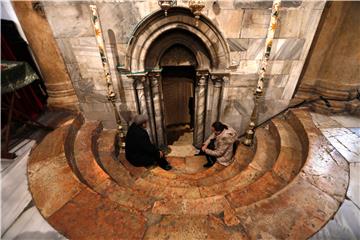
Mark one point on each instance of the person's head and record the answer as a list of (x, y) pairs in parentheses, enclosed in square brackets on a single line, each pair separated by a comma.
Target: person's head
[(218, 127), (141, 120)]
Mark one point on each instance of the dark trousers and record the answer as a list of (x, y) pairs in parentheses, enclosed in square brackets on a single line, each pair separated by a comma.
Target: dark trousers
[(148, 161), (211, 146), (162, 162)]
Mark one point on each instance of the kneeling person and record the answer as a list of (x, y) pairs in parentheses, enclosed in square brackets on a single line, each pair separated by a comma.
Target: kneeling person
[(219, 145), (139, 150)]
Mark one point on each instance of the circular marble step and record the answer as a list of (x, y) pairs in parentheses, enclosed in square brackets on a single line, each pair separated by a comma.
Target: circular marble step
[(85, 154), (264, 156), (69, 205), (288, 191)]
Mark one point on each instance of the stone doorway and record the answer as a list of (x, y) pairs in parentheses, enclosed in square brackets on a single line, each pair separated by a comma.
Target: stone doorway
[(161, 42), (178, 86)]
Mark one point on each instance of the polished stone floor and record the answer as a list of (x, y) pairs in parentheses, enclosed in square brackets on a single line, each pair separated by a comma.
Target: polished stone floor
[(341, 131), (20, 219)]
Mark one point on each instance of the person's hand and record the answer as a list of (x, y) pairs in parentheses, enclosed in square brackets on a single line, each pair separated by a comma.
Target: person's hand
[(161, 154), (203, 148)]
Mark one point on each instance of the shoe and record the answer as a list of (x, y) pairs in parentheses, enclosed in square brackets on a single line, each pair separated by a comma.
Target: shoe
[(208, 164), (166, 167)]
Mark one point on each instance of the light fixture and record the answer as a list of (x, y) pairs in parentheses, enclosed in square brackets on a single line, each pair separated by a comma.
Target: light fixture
[(196, 6), (166, 4)]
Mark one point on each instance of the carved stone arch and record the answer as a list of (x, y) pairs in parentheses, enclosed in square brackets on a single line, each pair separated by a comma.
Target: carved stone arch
[(177, 55), (177, 37), (156, 34), (151, 27)]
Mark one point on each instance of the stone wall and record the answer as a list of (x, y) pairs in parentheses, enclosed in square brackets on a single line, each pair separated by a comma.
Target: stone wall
[(243, 24)]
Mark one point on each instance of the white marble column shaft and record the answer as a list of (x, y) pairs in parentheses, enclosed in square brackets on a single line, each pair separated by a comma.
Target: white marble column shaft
[(139, 84), (200, 108), (158, 109)]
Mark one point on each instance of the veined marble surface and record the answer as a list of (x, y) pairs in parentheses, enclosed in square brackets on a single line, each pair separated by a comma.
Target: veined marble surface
[(342, 132), (15, 195), (31, 225)]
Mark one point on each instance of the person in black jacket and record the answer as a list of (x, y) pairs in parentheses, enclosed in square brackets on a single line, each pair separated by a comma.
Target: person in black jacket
[(139, 150)]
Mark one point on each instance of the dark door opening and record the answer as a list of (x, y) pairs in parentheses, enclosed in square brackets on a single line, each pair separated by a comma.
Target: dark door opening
[(178, 93)]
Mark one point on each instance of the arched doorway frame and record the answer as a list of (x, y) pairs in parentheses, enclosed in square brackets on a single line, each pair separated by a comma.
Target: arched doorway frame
[(209, 79)]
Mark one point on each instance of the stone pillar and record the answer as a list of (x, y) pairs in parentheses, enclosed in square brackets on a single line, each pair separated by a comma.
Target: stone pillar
[(150, 108), (143, 100), (200, 107), (214, 93), (140, 93), (155, 83), (332, 69), (216, 98), (42, 42)]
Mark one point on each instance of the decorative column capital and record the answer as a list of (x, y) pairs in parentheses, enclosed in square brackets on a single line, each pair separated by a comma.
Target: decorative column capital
[(155, 74), (202, 77), (219, 79), (139, 79)]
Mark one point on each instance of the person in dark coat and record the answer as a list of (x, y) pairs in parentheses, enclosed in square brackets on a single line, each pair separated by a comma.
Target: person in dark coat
[(139, 150)]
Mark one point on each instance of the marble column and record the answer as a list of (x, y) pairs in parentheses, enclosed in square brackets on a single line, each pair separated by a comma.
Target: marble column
[(217, 81), (150, 108), (156, 90), (214, 93), (140, 82), (52, 67), (200, 107)]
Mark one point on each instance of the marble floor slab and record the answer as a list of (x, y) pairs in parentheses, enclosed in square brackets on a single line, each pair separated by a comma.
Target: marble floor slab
[(15, 195), (343, 132), (22, 151), (353, 192), (16, 221), (31, 225), (347, 121), (345, 141), (344, 226)]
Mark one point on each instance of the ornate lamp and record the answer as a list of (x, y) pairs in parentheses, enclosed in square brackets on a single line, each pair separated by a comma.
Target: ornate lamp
[(166, 4), (196, 6)]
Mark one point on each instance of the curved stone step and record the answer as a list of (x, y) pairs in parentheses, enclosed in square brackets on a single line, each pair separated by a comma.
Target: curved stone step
[(164, 192), (84, 159), (69, 205), (52, 182), (134, 171), (90, 216), (198, 206), (302, 207), (96, 178), (263, 160), (242, 157), (324, 166), (294, 213), (285, 168), (159, 191), (193, 227), (106, 157), (290, 159), (187, 177), (279, 211), (215, 174)]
